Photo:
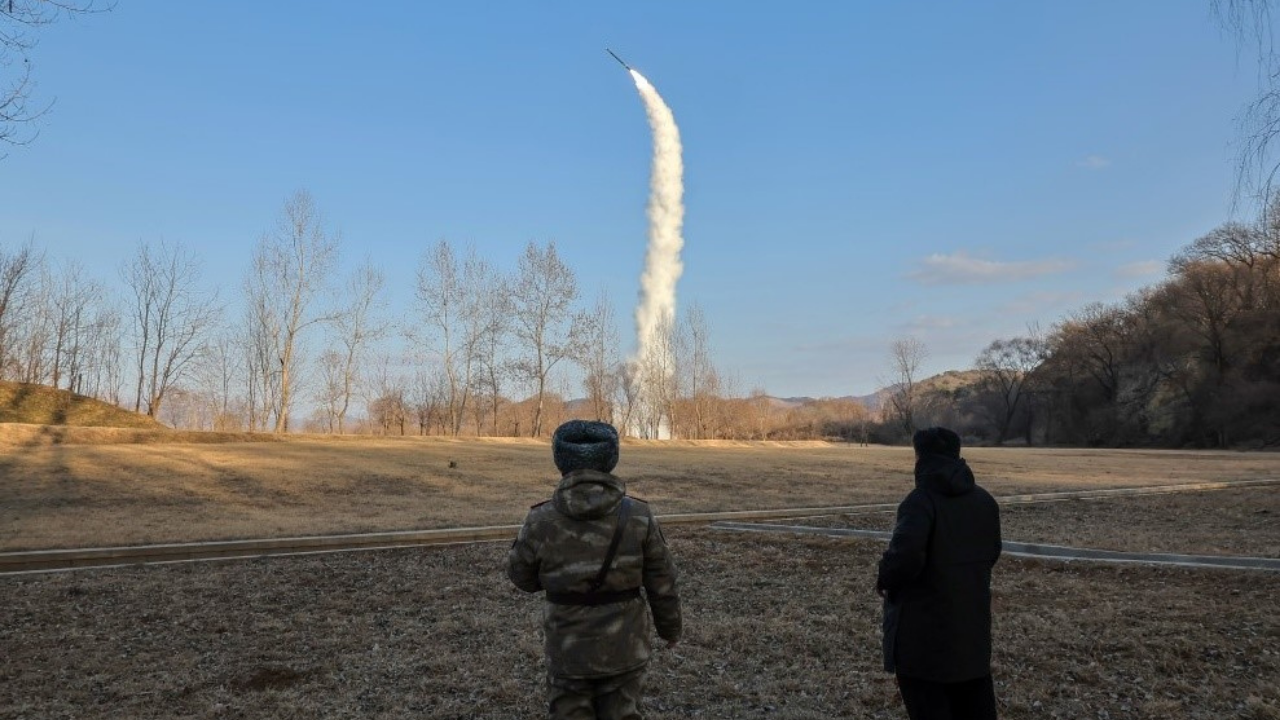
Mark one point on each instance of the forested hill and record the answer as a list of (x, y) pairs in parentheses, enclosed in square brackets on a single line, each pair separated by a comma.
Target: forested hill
[(43, 405)]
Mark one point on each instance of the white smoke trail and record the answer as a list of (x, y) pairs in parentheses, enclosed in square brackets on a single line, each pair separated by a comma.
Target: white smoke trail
[(656, 312)]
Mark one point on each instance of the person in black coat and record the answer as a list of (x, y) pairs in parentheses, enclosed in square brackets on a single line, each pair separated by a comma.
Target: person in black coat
[(935, 579)]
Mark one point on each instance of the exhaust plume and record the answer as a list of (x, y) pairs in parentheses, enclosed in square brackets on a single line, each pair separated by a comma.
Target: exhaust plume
[(656, 312)]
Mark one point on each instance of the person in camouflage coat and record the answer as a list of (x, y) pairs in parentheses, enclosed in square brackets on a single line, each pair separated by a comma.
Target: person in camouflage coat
[(597, 628)]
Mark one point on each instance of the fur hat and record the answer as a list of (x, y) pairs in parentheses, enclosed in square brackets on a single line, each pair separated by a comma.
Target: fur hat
[(936, 441), (585, 445)]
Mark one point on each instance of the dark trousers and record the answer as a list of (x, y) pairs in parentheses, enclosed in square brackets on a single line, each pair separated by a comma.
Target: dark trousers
[(968, 700)]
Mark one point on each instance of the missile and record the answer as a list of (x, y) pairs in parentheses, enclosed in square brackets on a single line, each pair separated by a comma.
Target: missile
[(620, 62)]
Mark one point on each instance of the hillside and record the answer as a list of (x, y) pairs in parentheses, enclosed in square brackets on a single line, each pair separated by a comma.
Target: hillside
[(945, 382), (43, 405)]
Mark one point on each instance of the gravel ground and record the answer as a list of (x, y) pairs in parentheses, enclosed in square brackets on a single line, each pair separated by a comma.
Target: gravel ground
[(778, 627), (1243, 521)]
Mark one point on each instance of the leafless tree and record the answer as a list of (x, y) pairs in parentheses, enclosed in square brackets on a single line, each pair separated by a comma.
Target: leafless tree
[(353, 328), (659, 382), (1095, 338), (74, 297), (20, 23), (626, 397), (171, 316), (220, 371), (261, 336), (291, 267), (599, 359), (493, 297), (1207, 304), (34, 340), (455, 303), (544, 327), (1007, 367), (389, 407), (18, 268), (702, 384), (429, 399), (1250, 21), (99, 371), (905, 358)]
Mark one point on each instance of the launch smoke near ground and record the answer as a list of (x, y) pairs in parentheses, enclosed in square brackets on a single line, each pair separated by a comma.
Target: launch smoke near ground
[(662, 266)]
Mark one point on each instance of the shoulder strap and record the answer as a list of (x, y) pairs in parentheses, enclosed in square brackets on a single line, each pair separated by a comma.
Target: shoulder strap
[(624, 510)]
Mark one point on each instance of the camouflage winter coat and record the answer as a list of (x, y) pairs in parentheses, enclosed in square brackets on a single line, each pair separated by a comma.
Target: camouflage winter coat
[(561, 548)]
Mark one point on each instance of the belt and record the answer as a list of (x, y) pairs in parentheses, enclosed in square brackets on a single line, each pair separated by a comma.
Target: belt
[(595, 598)]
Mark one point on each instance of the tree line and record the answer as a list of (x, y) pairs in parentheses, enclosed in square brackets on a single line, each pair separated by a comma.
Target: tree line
[(1192, 361), (481, 352)]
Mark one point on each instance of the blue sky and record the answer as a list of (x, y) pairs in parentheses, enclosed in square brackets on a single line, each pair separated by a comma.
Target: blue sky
[(855, 172)]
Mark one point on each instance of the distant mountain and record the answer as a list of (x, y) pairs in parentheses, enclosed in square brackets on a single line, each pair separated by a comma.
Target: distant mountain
[(790, 402), (947, 381)]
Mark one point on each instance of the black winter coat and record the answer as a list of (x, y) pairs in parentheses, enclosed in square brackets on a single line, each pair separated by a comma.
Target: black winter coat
[(936, 576)]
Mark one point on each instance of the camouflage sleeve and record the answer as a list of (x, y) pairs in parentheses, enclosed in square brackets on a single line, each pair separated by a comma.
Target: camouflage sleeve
[(522, 560), (660, 584)]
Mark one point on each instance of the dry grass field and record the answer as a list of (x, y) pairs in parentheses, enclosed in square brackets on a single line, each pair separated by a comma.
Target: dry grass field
[(1236, 521), (778, 626), (93, 487)]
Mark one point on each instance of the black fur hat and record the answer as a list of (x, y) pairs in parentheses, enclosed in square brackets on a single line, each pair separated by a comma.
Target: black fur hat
[(585, 445), (936, 441)]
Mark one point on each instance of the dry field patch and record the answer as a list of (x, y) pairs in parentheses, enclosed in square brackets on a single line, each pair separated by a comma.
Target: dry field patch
[(1236, 521), (1232, 521), (777, 627), (105, 489)]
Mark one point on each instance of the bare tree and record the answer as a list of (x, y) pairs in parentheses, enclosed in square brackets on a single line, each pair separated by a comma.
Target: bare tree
[(223, 365), (659, 382), (1096, 338), (291, 267), (626, 397), (389, 409), (33, 341), (702, 385), (905, 358), (455, 303), (430, 397), (354, 328), (599, 359), (17, 268), (261, 338), (73, 299), (1007, 367), (171, 316), (20, 21), (97, 367), (1250, 21), (493, 297), (545, 289)]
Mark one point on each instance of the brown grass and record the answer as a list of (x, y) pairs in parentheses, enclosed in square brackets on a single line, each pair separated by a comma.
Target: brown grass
[(1236, 521), (43, 405), (778, 627), (1244, 521), (112, 490)]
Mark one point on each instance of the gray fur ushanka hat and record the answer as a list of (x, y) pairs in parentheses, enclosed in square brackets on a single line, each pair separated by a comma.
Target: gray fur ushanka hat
[(585, 445)]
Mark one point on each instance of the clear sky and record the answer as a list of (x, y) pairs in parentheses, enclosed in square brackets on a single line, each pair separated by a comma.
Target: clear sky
[(856, 172)]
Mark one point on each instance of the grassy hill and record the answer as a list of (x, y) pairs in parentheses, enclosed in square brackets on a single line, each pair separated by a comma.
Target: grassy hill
[(43, 405)]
